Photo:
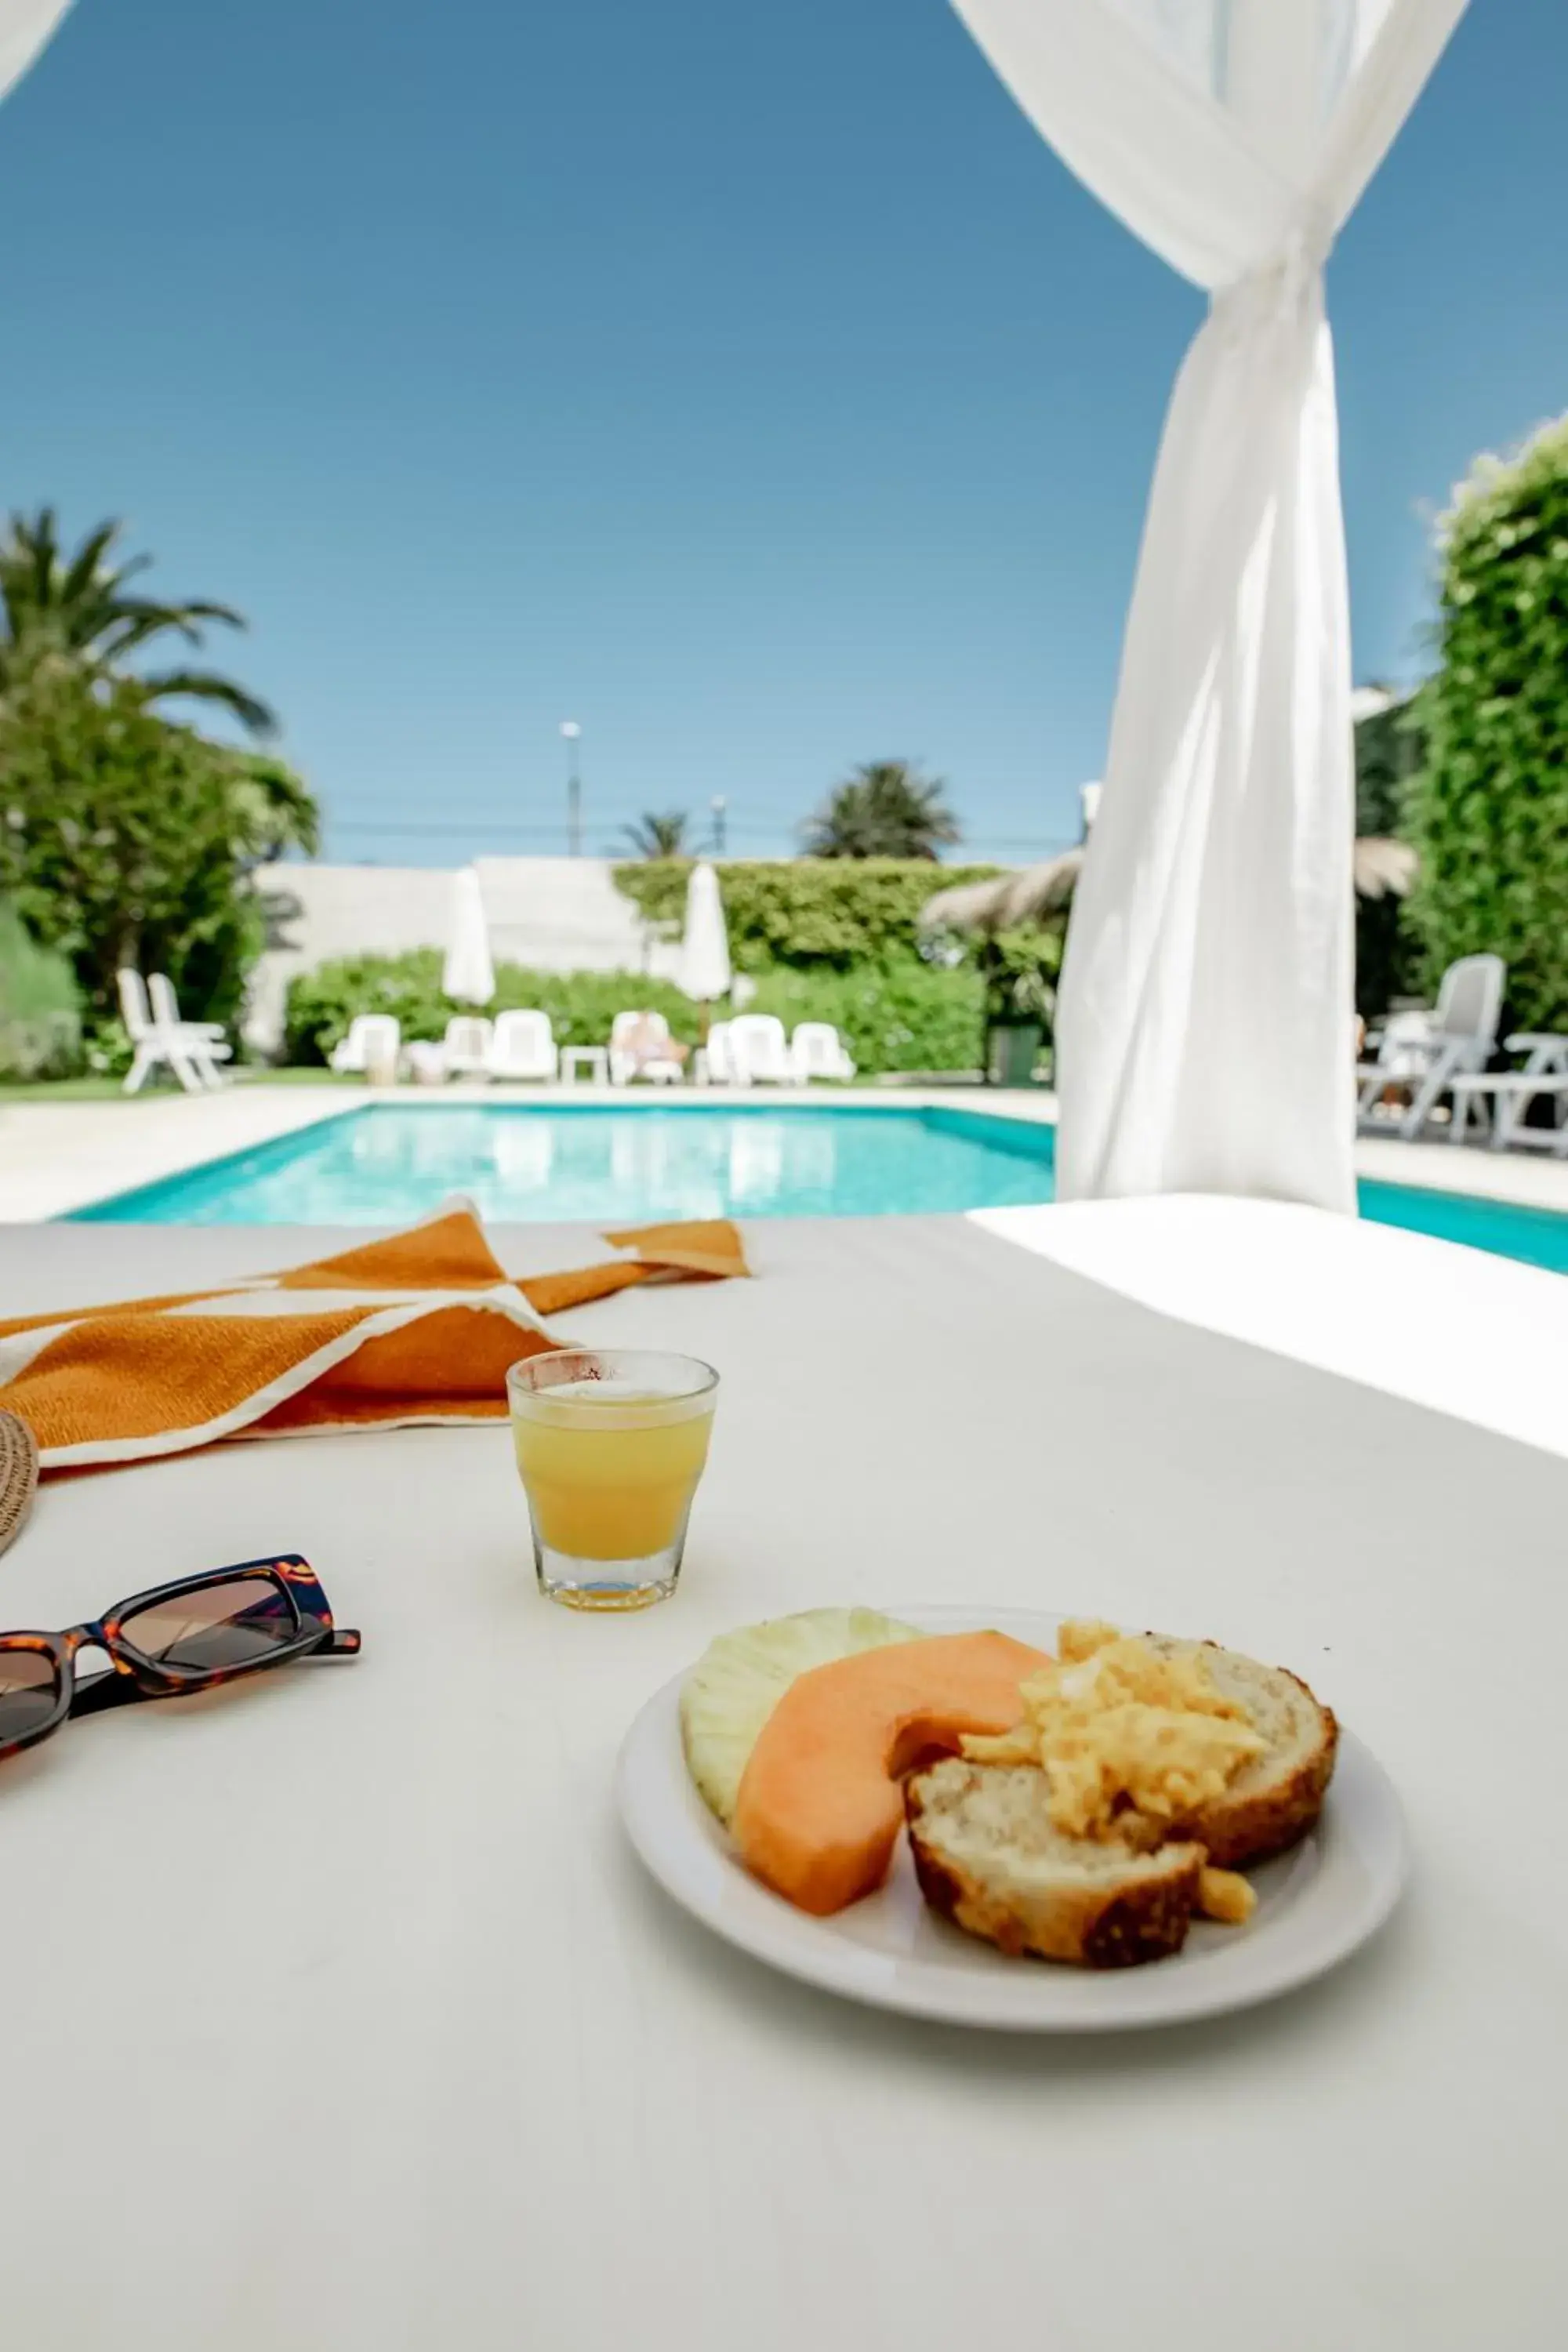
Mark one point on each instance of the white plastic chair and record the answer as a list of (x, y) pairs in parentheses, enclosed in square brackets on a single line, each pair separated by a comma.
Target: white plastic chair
[(758, 1052), (466, 1047), (1427, 1052), (1501, 1099), (625, 1064), (373, 1043), (819, 1051), (523, 1046), (159, 1044), (212, 1038)]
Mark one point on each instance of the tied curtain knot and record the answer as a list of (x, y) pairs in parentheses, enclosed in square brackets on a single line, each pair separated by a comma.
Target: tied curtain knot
[(1277, 292)]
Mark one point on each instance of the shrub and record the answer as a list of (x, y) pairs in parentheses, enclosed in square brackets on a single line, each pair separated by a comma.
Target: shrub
[(1489, 812), (40, 1005), (902, 1017), (106, 1049), (804, 912), (1020, 969)]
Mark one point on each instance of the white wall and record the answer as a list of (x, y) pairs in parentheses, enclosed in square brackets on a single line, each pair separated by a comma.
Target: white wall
[(556, 914)]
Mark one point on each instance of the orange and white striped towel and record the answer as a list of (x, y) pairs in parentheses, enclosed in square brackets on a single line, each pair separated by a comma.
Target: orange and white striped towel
[(420, 1327)]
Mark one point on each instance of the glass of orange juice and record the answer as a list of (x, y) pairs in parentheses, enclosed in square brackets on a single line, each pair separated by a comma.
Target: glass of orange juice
[(611, 1442)]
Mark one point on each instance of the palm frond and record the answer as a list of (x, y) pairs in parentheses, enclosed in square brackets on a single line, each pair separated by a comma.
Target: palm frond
[(84, 571), (111, 583), (1380, 868), (79, 607), (659, 836), (200, 608), (1384, 868), (968, 906), (205, 686), (135, 620)]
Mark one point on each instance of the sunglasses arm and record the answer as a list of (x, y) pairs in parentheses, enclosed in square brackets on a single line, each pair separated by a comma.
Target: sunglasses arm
[(344, 1644)]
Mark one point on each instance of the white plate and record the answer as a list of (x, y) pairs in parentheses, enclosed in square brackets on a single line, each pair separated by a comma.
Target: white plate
[(1316, 1905)]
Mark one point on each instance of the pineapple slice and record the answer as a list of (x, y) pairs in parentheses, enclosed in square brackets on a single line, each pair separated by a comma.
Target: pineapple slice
[(740, 1679)]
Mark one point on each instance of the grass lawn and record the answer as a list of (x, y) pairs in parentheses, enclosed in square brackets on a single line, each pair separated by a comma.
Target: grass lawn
[(70, 1090)]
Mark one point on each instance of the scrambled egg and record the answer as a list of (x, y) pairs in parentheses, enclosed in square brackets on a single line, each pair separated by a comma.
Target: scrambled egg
[(1129, 1742)]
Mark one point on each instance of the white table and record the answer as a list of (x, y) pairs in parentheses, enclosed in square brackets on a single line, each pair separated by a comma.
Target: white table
[(343, 1986), (594, 1059)]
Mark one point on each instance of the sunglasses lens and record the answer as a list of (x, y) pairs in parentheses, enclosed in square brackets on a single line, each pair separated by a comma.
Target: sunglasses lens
[(230, 1624), (29, 1689)]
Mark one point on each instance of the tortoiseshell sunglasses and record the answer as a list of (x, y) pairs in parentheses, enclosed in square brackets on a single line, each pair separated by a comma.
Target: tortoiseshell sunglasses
[(177, 1638)]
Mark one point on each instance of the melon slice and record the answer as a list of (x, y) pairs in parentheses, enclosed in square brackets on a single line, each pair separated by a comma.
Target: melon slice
[(820, 1807), (739, 1679)]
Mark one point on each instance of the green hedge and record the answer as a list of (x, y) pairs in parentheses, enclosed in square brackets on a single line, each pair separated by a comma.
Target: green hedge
[(1389, 960), (804, 912), (581, 1005), (903, 1017), (1489, 813), (908, 1016)]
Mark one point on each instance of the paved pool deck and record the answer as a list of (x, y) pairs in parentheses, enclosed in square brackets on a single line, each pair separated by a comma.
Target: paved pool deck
[(56, 1156)]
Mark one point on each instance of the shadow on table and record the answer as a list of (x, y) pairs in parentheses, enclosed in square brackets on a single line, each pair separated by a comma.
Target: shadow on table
[(1343, 2000)]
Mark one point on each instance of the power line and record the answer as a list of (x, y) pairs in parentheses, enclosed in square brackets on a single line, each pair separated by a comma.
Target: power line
[(447, 825), (746, 829)]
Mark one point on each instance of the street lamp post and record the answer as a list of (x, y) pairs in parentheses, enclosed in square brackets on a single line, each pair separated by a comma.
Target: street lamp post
[(720, 807), (572, 735)]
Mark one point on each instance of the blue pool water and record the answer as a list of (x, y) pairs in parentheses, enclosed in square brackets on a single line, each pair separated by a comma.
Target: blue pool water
[(607, 1166)]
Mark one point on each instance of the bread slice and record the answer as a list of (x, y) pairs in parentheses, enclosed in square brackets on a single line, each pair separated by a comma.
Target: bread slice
[(1276, 1797), (989, 1857)]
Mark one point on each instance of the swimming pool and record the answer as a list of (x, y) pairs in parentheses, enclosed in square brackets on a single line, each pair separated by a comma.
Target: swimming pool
[(604, 1165)]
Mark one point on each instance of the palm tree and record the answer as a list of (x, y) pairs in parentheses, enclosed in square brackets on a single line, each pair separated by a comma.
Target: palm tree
[(659, 836), (887, 809), (74, 607)]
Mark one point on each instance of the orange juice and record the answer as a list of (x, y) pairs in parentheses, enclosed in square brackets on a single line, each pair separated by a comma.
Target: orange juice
[(610, 1468)]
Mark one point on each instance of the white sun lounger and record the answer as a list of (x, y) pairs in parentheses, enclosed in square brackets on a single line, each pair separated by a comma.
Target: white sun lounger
[(373, 1043), (760, 1054), (626, 1065), (466, 1047), (819, 1051), (523, 1046), (714, 1067)]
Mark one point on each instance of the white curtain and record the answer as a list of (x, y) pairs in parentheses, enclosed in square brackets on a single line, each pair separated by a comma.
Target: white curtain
[(1205, 1023), (25, 26)]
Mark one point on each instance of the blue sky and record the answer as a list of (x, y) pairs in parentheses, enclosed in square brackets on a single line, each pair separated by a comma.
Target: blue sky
[(751, 384)]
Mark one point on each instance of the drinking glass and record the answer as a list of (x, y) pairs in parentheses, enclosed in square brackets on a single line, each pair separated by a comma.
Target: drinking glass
[(611, 1442)]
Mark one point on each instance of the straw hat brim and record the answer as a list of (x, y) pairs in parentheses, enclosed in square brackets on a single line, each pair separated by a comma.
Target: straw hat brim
[(18, 1476)]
